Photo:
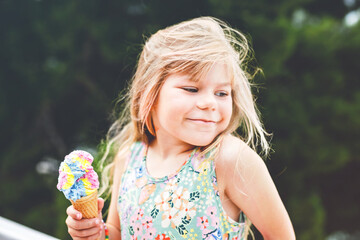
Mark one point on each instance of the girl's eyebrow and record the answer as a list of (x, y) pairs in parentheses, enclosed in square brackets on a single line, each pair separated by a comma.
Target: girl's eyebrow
[(220, 84), (224, 84)]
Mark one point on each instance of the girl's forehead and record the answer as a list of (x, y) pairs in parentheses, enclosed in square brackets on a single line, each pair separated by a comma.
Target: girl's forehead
[(221, 72), (218, 73), (213, 80)]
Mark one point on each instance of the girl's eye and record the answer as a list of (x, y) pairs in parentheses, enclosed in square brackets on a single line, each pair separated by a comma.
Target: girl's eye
[(221, 94), (190, 89)]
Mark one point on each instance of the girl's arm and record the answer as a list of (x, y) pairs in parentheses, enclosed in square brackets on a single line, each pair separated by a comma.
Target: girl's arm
[(252, 190), (113, 221)]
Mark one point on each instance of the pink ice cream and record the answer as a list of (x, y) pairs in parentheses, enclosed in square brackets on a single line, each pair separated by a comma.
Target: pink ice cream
[(77, 177)]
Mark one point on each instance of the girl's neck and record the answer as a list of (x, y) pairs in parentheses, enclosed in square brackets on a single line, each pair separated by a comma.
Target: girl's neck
[(169, 150)]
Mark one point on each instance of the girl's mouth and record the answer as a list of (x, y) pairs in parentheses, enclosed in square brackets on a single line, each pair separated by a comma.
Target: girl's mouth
[(202, 120)]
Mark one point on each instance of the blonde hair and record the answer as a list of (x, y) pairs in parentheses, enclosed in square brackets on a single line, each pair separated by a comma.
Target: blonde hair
[(190, 47)]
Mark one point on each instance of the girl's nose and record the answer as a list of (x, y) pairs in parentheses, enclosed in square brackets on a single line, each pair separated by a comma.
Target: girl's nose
[(206, 101)]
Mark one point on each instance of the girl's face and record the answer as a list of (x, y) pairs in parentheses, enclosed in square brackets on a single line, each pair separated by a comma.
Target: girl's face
[(189, 112)]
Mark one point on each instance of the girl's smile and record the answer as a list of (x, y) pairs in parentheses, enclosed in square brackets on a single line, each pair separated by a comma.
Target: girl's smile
[(203, 123)]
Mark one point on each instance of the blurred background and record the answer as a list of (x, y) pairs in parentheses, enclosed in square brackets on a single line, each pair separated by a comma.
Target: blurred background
[(63, 63)]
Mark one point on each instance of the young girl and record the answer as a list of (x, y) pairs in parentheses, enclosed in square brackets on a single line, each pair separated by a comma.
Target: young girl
[(179, 170)]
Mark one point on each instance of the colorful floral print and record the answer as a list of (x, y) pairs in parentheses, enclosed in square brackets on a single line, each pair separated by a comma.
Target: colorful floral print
[(184, 205)]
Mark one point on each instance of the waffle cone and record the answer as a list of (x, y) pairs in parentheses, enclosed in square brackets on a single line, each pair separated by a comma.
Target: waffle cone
[(88, 206)]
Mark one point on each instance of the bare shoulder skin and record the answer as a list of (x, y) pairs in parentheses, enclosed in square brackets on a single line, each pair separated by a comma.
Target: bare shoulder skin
[(246, 185)]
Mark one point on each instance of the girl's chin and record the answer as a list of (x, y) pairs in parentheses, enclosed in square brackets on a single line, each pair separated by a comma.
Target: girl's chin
[(200, 142)]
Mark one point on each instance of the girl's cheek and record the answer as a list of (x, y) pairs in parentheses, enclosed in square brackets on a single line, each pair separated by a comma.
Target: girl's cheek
[(228, 108)]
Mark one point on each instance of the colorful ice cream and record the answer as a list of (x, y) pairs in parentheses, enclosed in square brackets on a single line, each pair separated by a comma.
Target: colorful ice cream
[(77, 177)]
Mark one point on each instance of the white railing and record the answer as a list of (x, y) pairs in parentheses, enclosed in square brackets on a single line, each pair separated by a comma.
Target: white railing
[(10, 230)]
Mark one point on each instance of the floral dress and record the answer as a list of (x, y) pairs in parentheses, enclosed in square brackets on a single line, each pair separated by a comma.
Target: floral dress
[(184, 205)]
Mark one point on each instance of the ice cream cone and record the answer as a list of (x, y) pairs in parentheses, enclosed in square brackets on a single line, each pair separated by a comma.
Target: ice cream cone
[(88, 206)]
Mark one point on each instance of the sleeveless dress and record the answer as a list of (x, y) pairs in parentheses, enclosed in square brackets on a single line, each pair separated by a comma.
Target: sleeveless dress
[(184, 205)]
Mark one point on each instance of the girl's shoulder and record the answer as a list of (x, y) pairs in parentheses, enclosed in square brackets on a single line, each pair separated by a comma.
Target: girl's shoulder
[(234, 151), (235, 154), (124, 155)]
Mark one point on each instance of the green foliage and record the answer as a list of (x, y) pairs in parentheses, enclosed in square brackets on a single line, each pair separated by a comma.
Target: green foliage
[(64, 62), (309, 227)]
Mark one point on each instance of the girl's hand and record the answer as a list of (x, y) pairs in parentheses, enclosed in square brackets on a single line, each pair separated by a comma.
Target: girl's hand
[(79, 228)]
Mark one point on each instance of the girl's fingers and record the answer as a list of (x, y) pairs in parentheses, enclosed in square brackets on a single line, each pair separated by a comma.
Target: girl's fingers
[(90, 233), (95, 236), (72, 212), (92, 237), (80, 228), (83, 224), (100, 204)]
